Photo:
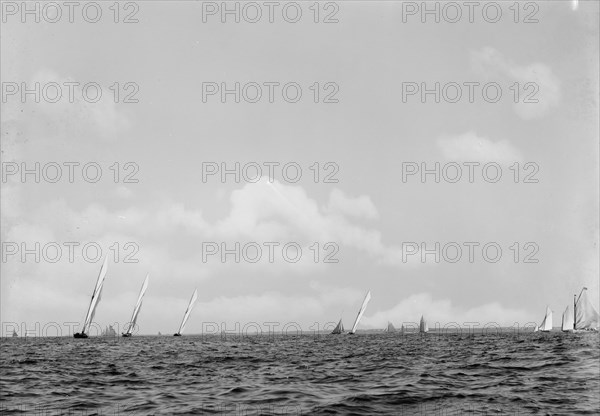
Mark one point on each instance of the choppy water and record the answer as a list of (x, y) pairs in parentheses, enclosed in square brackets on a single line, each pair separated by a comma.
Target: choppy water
[(551, 373)]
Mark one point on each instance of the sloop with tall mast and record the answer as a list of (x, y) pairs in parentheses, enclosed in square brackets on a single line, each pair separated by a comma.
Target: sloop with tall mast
[(360, 312), (96, 295), (585, 316), (137, 308), (187, 313)]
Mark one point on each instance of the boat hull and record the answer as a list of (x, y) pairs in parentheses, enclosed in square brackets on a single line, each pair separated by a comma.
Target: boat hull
[(126, 335), (176, 335), (80, 335)]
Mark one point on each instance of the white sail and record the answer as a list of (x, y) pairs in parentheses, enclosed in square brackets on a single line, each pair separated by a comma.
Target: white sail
[(390, 327), (96, 295), (567, 320), (339, 328), (138, 306), (188, 311), (586, 316), (361, 312), (423, 325), (546, 324)]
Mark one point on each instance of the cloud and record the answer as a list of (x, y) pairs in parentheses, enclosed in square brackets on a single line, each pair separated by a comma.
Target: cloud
[(360, 207), (441, 310), (469, 147), (539, 88)]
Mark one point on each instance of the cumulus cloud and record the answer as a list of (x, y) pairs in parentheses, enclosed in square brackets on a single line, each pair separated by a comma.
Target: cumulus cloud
[(469, 147), (539, 87), (443, 311)]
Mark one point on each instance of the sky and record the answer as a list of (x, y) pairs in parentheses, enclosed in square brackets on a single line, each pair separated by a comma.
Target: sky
[(351, 195)]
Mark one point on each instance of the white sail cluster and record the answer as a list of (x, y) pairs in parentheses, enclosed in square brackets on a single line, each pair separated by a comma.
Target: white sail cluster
[(584, 316)]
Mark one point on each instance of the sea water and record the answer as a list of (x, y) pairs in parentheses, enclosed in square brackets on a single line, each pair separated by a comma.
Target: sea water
[(437, 374)]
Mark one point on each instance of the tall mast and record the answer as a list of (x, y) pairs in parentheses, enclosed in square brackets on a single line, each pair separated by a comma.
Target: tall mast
[(574, 311)]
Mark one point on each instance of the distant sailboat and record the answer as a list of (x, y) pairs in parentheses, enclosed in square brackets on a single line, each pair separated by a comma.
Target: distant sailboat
[(546, 325), (402, 329), (390, 328), (361, 312), (109, 331), (14, 334), (567, 321), (339, 329), (586, 317), (136, 309), (423, 328), (187, 313), (89, 317)]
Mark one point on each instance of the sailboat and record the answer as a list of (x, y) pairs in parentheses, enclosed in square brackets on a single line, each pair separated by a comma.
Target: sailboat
[(567, 321), (14, 334), (423, 328), (187, 313), (136, 309), (586, 317), (546, 325), (89, 317), (109, 331), (339, 329), (390, 327), (361, 312), (402, 329)]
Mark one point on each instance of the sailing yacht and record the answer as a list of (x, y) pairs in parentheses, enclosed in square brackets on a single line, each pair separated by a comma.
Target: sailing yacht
[(360, 312), (136, 309), (339, 329), (14, 334), (567, 321), (586, 317), (390, 327), (96, 294), (423, 328), (546, 325), (187, 313)]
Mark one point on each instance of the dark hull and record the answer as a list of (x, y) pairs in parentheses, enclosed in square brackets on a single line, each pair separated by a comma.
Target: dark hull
[(176, 335), (126, 335), (80, 335)]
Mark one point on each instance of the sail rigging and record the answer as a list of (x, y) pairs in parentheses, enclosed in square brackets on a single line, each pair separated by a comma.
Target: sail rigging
[(96, 295), (423, 325), (361, 312), (339, 328), (585, 315), (567, 320), (546, 324), (188, 311), (137, 308)]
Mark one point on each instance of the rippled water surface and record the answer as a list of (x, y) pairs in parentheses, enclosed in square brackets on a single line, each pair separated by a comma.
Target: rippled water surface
[(551, 373)]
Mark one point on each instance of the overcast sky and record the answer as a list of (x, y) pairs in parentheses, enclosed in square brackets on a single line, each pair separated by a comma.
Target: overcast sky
[(369, 137)]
